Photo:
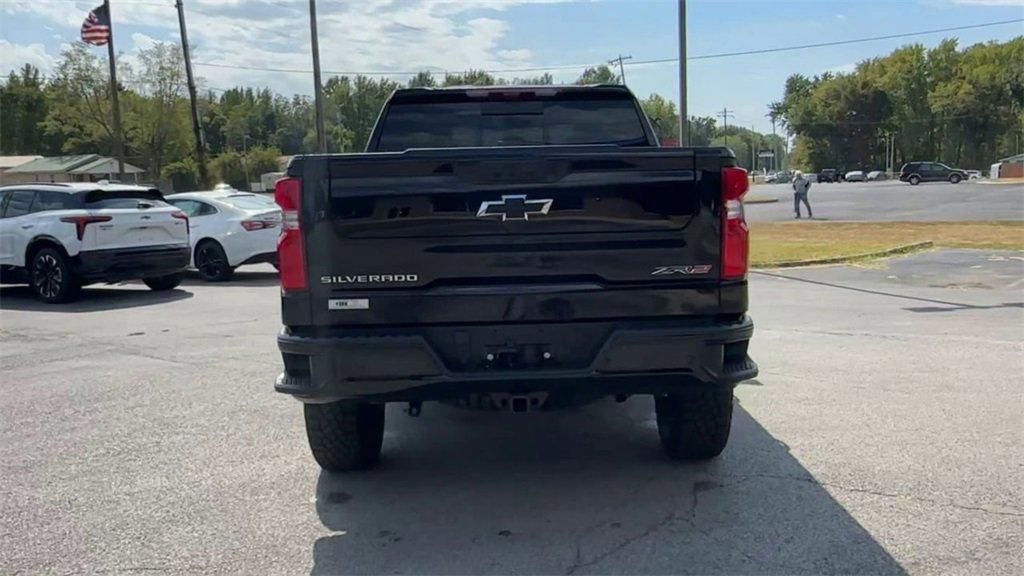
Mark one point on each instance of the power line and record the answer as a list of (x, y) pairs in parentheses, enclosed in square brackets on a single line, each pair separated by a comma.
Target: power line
[(633, 63), (834, 43)]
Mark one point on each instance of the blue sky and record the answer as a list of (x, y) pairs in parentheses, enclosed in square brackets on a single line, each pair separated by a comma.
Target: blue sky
[(403, 35)]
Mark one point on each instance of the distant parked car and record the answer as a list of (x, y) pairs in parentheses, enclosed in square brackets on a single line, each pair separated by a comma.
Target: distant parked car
[(855, 176), (876, 175), (974, 174), (812, 177), (60, 237), (770, 178), (828, 175), (783, 177), (917, 172), (229, 229)]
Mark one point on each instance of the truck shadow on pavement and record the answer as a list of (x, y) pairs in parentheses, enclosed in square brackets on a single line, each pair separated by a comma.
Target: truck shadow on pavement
[(92, 299), (585, 491)]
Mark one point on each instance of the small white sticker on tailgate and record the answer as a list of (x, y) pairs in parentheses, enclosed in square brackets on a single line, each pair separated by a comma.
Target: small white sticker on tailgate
[(348, 304)]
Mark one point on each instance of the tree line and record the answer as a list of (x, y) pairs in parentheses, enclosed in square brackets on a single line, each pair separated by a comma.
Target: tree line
[(246, 129), (961, 107)]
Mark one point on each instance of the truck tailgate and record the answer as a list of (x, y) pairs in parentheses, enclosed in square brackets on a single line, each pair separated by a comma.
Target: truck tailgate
[(512, 234)]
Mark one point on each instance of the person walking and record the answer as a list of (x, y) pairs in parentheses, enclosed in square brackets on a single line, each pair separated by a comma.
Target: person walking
[(800, 187)]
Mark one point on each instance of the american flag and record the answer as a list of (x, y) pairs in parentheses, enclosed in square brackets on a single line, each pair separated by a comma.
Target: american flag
[(96, 28)]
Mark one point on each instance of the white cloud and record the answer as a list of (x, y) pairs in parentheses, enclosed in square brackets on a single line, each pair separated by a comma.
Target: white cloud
[(14, 56), (384, 35), (141, 41)]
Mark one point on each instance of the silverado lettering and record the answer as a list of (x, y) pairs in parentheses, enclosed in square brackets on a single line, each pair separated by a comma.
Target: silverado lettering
[(536, 230), (369, 279)]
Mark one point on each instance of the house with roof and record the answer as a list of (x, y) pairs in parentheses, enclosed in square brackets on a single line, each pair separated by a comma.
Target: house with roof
[(73, 168), (8, 162)]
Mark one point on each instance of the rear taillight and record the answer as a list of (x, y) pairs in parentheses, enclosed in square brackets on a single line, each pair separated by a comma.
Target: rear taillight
[(81, 222), (251, 225), (291, 257), (180, 216), (735, 234)]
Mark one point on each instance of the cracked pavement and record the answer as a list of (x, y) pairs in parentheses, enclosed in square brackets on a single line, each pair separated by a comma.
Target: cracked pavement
[(140, 432)]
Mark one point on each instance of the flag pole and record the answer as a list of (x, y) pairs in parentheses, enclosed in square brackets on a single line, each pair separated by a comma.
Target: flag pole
[(118, 135), (197, 127)]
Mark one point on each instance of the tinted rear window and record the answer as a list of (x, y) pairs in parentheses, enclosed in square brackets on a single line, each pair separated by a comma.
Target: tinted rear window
[(99, 199), (554, 121)]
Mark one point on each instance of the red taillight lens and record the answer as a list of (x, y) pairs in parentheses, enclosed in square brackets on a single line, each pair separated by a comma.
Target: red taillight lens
[(735, 234), (81, 222), (180, 216), (251, 225), (291, 256)]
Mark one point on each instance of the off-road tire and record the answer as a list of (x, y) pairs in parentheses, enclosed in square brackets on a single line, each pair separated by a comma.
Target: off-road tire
[(694, 424), (955, 178), (914, 180), (51, 277), (212, 262), (345, 436), (163, 283)]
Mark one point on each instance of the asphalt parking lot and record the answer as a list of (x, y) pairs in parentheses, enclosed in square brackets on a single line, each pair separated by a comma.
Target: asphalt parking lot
[(894, 201), (140, 432)]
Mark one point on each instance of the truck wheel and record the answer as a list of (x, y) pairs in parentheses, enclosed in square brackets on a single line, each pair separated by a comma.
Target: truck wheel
[(161, 283), (345, 436), (694, 424), (51, 277)]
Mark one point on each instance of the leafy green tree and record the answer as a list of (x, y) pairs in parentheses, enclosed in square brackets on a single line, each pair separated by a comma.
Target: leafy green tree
[(79, 112), (183, 175), (24, 104), (598, 75), (155, 115)]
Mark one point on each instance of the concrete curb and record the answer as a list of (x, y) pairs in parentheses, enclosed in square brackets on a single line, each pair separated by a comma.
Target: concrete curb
[(760, 200), (905, 249)]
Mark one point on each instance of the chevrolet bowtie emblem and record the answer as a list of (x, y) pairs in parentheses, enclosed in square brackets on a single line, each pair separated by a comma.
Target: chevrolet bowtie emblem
[(515, 207)]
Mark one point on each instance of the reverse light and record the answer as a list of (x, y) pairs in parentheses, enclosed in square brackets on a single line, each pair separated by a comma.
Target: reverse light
[(291, 255), (735, 234), (81, 222)]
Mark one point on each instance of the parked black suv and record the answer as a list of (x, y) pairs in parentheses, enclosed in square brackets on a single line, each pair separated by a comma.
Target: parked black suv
[(917, 172), (830, 175), (517, 249)]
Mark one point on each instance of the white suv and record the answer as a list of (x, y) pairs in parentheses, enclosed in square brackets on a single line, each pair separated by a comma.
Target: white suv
[(59, 237)]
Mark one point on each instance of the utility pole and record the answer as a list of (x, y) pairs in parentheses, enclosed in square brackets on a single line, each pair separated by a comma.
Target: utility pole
[(622, 70), (725, 115), (318, 89), (753, 161), (775, 160), (684, 118), (197, 127), (118, 134)]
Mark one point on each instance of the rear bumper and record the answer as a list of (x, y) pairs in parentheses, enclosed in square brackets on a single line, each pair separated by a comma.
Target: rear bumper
[(647, 357), (131, 263)]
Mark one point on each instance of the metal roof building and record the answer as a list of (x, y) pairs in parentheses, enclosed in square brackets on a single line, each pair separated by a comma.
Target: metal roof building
[(72, 168)]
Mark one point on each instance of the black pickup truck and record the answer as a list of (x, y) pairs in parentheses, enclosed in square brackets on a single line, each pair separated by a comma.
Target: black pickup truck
[(518, 249)]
